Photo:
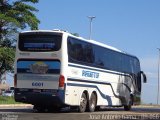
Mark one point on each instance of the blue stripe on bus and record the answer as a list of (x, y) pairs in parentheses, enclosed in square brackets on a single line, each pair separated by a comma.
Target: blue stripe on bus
[(108, 98), (95, 69), (94, 86), (87, 81), (96, 82)]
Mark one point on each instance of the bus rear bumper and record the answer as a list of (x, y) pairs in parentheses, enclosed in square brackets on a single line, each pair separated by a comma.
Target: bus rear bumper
[(40, 98)]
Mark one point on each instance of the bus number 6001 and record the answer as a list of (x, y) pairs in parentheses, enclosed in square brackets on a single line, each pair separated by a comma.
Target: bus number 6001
[(38, 84)]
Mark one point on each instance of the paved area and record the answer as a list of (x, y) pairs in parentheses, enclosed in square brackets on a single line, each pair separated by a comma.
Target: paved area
[(27, 113)]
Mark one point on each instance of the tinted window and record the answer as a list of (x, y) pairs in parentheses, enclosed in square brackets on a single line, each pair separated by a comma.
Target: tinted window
[(80, 51), (93, 55), (130, 64), (38, 66), (39, 42)]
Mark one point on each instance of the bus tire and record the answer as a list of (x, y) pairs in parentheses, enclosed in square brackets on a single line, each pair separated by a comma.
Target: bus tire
[(129, 106), (97, 108), (83, 103), (92, 102), (38, 109)]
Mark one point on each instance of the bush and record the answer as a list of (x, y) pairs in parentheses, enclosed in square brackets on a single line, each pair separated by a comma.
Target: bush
[(8, 100)]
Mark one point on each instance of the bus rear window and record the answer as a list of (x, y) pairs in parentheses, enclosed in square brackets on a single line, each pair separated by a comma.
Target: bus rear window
[(39, 42)]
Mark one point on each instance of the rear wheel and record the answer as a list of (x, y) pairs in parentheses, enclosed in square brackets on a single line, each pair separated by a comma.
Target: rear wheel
[(83, 103), (97, 108), (92, 102), (38, 109), (129, 106)]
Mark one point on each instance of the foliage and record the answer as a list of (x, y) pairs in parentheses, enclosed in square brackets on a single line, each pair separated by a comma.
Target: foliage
[(75, 34), (14, 16), (6, 59), (8, 100)]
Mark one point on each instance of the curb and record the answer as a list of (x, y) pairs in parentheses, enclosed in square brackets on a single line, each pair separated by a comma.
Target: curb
[(146, 106), (16, 105)]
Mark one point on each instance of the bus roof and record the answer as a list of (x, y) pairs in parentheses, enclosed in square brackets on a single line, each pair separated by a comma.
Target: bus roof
[(81, 38)]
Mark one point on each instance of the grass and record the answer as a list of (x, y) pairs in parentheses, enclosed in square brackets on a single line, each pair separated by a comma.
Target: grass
[(8, 100)]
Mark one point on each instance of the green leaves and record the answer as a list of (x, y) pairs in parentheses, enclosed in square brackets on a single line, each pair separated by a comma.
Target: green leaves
[(15, 15), (6, 59), (33, 1)]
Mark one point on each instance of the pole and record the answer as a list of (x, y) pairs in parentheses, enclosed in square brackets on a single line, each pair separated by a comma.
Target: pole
[(90, 30), (158, 75)]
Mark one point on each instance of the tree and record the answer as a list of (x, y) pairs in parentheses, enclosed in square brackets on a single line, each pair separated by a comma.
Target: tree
[(15, 15), (6, 60), (75, 34)]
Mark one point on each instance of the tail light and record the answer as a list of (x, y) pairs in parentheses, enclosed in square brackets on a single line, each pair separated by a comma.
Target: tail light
[(15, 80), (61, 81)]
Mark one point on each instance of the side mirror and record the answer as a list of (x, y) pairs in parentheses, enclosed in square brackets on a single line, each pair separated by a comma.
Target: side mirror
[(144, 77)]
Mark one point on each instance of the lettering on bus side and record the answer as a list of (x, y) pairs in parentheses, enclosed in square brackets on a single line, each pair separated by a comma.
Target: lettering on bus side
[(90, 74)]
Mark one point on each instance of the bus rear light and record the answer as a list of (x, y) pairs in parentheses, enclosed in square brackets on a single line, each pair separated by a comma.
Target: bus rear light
[(61, 81), (15, 80)]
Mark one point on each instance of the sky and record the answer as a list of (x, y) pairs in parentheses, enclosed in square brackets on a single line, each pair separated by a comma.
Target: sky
[(132, 26)]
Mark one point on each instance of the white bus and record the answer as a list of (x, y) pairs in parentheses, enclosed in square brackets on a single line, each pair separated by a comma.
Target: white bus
[(54, 69)]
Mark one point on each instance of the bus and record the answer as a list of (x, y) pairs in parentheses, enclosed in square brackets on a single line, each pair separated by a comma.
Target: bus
[(55, 69)]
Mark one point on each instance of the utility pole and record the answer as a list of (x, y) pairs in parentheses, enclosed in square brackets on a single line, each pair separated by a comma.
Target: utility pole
[(90, 31), (158, 75)]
